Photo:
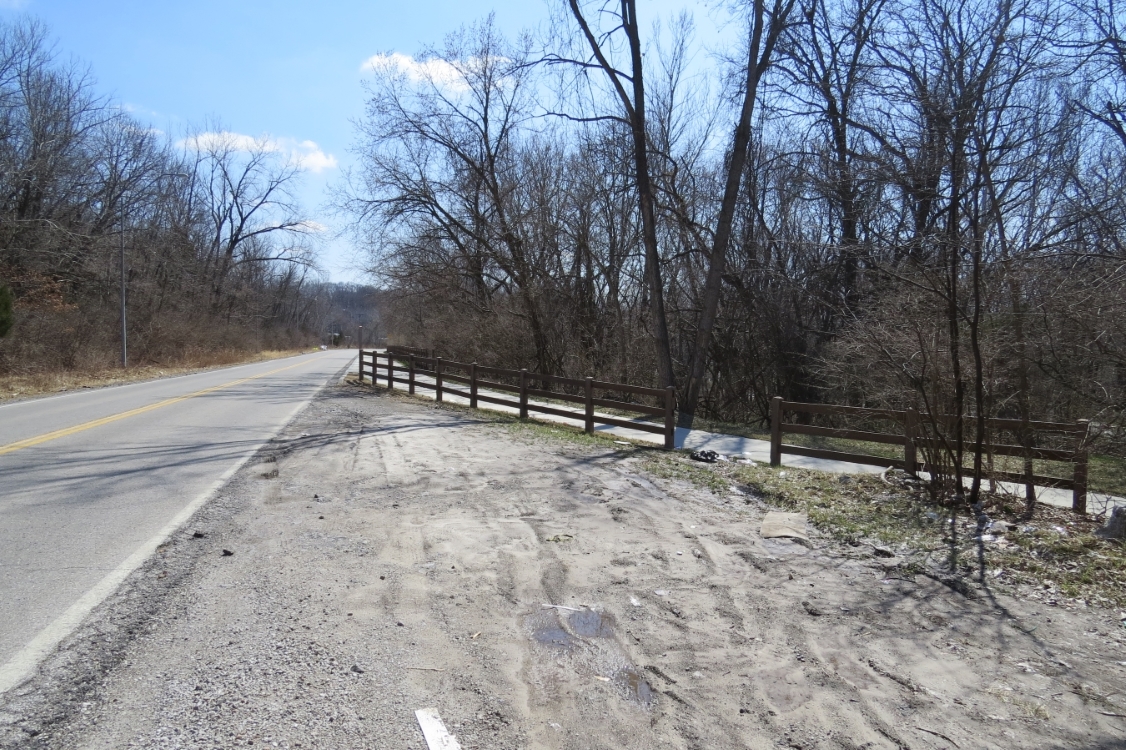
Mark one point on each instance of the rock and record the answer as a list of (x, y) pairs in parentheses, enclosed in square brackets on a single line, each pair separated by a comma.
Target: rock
[(812, 609), (198, 535), (845, 479), (1001, 527), (777, 525), (882, 551), (357, 669), (227, 553), (1115, 525)]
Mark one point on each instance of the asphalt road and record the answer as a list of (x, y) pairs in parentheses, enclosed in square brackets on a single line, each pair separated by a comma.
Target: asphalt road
[(92, 481)]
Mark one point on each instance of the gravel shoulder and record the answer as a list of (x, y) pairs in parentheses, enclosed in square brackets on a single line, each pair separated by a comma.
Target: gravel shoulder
[(543, 592)]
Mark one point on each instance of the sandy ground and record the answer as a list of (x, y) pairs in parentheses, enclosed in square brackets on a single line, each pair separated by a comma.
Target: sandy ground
[(1098, 503), (391, 555)]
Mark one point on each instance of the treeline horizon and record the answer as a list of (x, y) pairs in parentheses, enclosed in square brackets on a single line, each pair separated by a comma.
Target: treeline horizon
[(913, 204), (218, 255)]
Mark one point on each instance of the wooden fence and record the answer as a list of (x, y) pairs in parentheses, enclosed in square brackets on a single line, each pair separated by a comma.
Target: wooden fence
[(382, 366), (911, 437)]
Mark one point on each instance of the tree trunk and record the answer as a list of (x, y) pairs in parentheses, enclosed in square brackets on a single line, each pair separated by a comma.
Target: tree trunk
[(756, 65)]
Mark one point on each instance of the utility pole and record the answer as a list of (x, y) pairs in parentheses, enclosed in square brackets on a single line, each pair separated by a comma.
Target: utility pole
[(124, 332), (124, 327)]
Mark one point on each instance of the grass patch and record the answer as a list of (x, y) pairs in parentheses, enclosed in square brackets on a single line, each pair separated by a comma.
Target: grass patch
[(530, 428), (677, 466), (29, 385), (1106, 474), (1056, 554)]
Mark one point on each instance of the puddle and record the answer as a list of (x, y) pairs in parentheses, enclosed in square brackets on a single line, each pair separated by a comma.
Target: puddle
[(590, 624), (554, 635), (585, 640), (637, 687)]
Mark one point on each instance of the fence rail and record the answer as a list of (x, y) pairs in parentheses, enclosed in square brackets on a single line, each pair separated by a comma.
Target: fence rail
[(388, 366), (909, 435)]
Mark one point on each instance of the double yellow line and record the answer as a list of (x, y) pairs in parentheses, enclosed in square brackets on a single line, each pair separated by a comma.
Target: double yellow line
[(49, 436)]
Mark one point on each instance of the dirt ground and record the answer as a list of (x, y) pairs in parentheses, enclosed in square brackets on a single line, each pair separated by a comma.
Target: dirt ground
[(543, 592)]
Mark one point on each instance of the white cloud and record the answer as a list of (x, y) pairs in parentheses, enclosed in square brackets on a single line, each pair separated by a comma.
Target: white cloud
[(313, 227), (436, 71), (306, 154), (310, 156)]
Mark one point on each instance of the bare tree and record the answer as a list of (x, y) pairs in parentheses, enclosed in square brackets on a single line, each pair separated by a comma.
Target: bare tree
[(243, 190), (604, 47), (764, 29)]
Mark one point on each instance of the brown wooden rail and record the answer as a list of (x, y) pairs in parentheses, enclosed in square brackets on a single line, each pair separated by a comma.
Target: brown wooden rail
[(909, 436), (388, 366)]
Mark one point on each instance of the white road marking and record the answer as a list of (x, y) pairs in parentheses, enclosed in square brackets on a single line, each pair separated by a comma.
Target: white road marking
[(437, 738)]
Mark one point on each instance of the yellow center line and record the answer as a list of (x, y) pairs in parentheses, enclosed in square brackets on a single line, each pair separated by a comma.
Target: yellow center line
[(47, 437)]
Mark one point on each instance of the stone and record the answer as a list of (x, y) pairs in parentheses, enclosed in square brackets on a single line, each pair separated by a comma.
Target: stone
[(1115, 525)]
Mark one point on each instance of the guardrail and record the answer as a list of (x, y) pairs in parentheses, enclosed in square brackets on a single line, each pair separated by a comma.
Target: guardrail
[(382, 366), (911, 437)]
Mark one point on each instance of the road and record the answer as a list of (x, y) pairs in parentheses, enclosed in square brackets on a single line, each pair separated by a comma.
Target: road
[(92, 481)]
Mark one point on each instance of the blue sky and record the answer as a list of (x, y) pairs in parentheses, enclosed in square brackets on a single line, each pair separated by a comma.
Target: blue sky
[(287, 69)]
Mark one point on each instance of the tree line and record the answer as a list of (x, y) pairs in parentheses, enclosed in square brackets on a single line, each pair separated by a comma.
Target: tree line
[(900, 204), (216, 253)]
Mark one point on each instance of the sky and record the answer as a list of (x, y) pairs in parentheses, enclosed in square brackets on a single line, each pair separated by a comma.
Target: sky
[(284, 69)]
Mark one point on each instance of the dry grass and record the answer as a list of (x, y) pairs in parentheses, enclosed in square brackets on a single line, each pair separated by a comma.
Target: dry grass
[(1055, 557), (27, 385), (1104, 473)]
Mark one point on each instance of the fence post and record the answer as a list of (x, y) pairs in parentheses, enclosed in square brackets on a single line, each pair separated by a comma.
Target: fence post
[(776, 431), (1079, 478), (438, 379), (390, 371), (523, 394), (360, 347), (910, 430), (589, 405), (410, 377), (670, 418), (473, 386)]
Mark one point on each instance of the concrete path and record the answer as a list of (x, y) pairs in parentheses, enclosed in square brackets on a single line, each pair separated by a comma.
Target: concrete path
[(739, 447), (94, 480)]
